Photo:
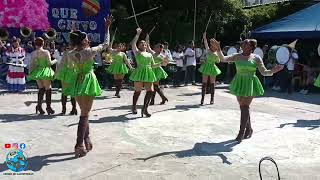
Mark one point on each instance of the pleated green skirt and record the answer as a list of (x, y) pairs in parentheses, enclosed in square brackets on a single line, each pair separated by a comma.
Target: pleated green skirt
[(85, 85), (246, 85), (160, 73), (118, 68), (143, 74), (41, 74), (209, 70)]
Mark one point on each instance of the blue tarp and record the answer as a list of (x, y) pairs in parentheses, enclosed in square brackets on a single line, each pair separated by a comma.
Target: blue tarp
[(304, 24)]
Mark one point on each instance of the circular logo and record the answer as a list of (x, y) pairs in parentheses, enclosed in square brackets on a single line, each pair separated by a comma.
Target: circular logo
[(22, 146), (16, 161)]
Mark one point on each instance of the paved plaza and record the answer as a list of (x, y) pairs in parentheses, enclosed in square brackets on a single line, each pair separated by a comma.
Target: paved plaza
[(180, 141)]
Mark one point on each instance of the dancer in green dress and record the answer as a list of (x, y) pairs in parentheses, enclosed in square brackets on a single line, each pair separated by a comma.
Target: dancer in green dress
[(246, 85), (143, 75), (118, 66), (158, 71), (40, 70), (209, 70), (66, 75), (86, 86)]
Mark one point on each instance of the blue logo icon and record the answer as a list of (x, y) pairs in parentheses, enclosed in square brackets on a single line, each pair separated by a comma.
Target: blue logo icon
[(16, 161), (22, 146)]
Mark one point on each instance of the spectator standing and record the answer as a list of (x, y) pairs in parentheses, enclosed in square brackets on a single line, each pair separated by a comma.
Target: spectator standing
[(178, 58), (191, 63)]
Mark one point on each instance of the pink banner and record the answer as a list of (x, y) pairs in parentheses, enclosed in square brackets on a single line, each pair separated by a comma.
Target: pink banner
[(28, 13)]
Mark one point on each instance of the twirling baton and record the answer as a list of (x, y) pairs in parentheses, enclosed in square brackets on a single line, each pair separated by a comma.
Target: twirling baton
[(114, 35), (154, 27), (134, 13), (208, 21)]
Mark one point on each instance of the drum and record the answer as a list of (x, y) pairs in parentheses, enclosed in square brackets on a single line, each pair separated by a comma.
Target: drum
[(258, 51), (172, 67), (229, 50), (319, 50), (279, 54)]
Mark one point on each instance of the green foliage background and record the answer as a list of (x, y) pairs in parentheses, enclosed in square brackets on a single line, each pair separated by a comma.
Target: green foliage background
[(175, 18)]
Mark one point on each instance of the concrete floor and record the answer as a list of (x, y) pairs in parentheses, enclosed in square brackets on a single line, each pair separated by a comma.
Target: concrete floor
[(180, 141)]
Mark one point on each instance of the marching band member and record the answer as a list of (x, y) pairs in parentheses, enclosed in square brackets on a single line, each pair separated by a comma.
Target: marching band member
[(40, 70), (118, 66), (246, 85), (86, 85), (16, 75), (143, 75), (158, 71), (209, 70)]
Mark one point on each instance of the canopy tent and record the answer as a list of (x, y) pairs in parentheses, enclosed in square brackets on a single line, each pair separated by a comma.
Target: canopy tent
[(304, 24)]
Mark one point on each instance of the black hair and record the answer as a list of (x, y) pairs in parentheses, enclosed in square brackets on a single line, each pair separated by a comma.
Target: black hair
[(76, 37)]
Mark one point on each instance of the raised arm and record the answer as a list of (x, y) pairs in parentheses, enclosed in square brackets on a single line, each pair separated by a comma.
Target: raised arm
[(97, 49), (222, 58), (205, 41), (149, 49), (135, 40)]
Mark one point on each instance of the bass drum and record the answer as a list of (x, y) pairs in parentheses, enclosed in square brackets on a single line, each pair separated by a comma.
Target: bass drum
[(279, 54), (258, 51), (319, 50), (229, 50)]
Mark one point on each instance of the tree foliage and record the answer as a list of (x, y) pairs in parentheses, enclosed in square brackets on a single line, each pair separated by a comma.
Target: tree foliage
[(175, 19)]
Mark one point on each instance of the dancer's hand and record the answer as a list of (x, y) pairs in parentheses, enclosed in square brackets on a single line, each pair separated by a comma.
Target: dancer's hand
[(215, 44), (204, 36), (165, 61), (139, 30), (277, 68), (108, 21)]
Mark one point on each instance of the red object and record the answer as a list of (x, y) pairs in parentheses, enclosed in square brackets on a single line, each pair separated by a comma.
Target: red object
[(7, 146), (16, 74)]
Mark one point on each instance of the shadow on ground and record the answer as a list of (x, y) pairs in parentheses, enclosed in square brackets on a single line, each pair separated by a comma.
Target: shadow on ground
[(36, 163), (201, 149), (309, 98), (310, 124), (5, 118)]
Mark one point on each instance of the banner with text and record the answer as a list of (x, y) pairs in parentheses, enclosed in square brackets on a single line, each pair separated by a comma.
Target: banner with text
[(87, 16)]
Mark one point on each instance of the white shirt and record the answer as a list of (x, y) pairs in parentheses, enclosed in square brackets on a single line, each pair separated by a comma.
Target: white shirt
[(178, 57), (191, 61), (168, 54), (58, 56), (293, 58), (27, 60)]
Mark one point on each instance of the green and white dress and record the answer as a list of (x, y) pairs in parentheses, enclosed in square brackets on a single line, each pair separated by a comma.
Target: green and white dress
[(144, 71), (209, 67), (118, 65), (246, 83), (158, 71), (41, 70), (85, 81)]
